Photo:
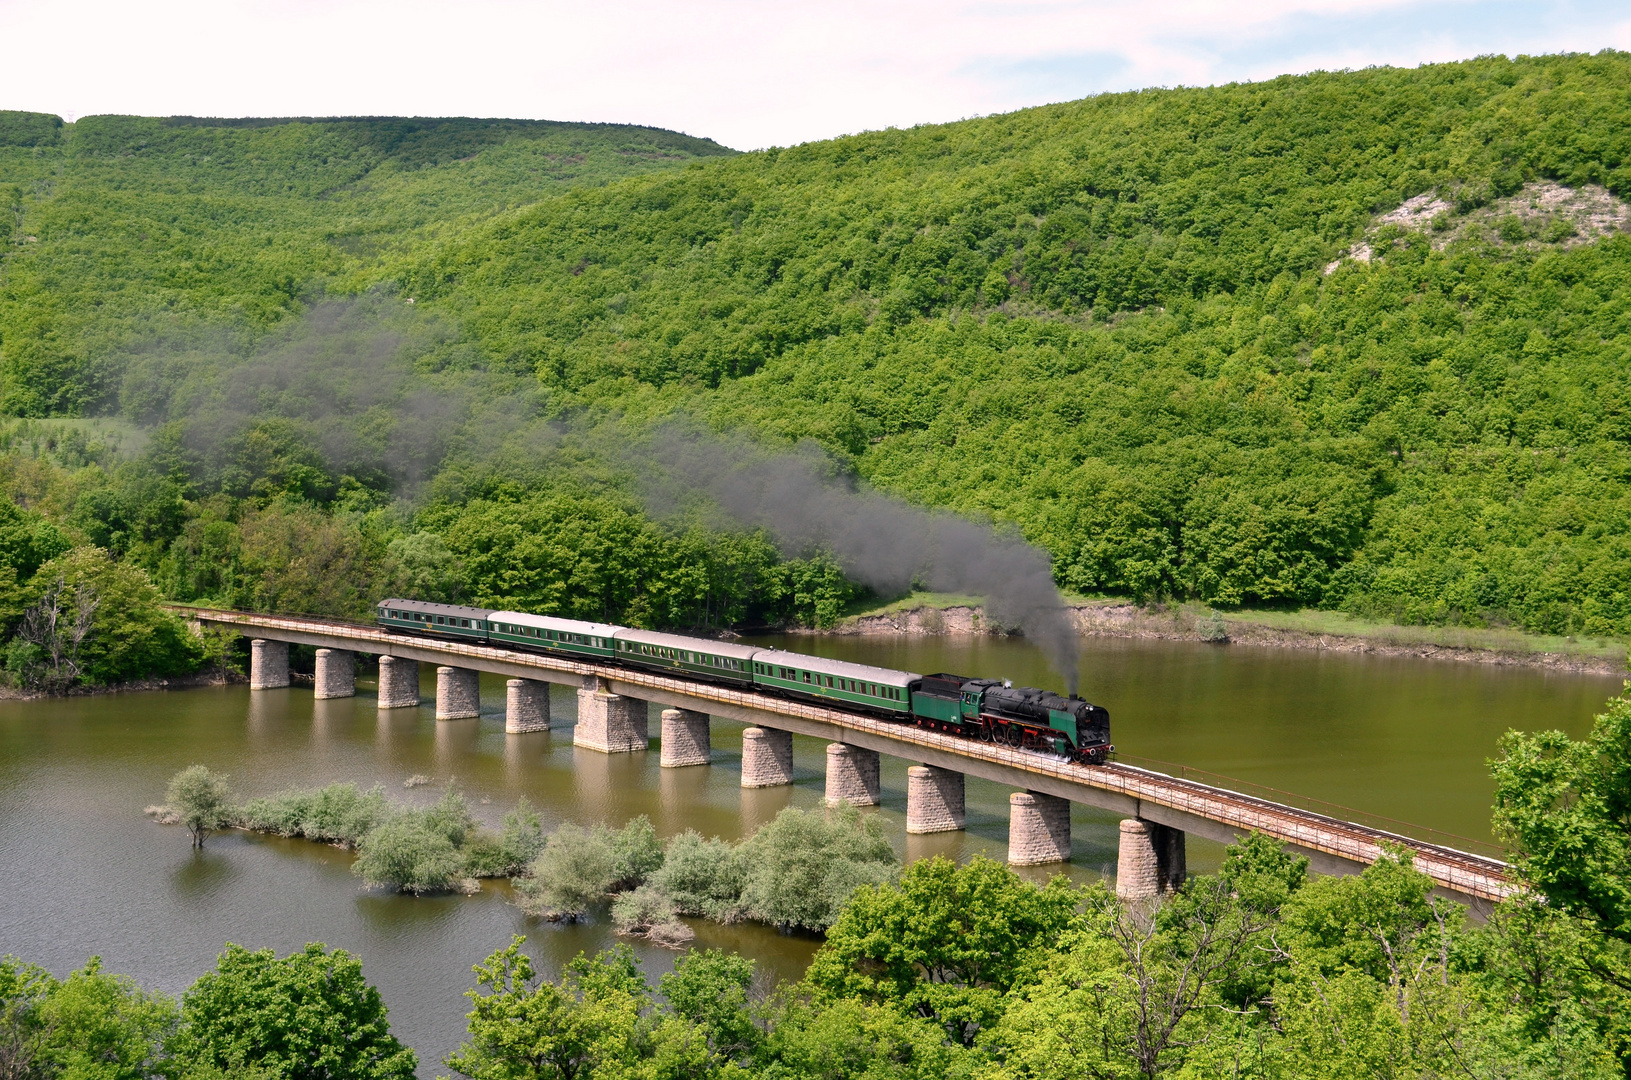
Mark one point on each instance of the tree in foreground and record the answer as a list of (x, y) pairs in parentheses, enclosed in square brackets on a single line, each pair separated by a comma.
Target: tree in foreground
[(308, 1016), (1566, 808), (946, 944), (91, 1024), (201, 800), (522, 1027)]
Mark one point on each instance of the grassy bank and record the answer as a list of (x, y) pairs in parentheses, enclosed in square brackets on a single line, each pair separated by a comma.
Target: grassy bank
[(928, 613)]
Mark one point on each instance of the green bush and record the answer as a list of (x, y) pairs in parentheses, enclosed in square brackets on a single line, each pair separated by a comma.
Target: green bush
[(521, 840), (803, 866), (310, 1014), (946, 943), (510, 852), (648, 911), (200, 800), (636, 853), (450, 816), (336, 814), (409, 854), (579, 868), (89, 619), (703, 877), (798, 870)]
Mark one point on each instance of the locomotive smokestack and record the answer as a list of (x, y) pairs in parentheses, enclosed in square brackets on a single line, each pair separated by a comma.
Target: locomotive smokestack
[(807, 503)]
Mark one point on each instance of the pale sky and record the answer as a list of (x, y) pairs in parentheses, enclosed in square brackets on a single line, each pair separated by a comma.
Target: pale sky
[(745, 72)]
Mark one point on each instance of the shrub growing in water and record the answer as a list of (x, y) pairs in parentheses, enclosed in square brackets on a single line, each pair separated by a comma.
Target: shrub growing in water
[(451, 816), (200, 800), (509, 853), (636, 853), (409, 853), (580, 867), (336, 814), (648, 911), (797, 871), (703, 877), (804, 865)]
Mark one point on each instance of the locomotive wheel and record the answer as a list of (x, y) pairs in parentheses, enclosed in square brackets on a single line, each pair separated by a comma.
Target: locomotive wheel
[(1016, 736), (987, 734)]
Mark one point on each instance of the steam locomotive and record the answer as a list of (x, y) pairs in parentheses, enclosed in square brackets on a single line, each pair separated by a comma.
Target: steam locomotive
[(986, 709)]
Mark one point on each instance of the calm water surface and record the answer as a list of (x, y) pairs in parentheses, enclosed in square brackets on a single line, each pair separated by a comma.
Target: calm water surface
[(84, 872)]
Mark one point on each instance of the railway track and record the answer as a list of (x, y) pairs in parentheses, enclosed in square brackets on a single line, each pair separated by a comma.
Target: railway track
[(1464, 873)]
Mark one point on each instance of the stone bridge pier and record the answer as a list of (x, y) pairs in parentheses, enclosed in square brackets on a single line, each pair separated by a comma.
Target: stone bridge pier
[(767, 757), (686, 739), (609, 722), (526, 706), (458, 693), (934, 800), (268, 664), (336, 675), (398, 683), (1038, 829), (852, 775), (1150, 861)]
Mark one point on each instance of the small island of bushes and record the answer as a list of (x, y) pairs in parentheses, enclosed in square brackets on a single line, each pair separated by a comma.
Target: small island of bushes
[(794, 873)]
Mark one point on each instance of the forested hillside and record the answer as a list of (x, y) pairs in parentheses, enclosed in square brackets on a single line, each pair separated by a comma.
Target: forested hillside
[(1356, 340), (1112, 323), (136, 234)]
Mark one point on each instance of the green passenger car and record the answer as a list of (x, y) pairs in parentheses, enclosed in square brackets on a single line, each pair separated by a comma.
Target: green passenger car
[(835, 680), (437, 620), (545, 633), (717, 661)]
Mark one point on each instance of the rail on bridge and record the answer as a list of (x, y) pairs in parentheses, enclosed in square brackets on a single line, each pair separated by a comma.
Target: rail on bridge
[(1157, 808)]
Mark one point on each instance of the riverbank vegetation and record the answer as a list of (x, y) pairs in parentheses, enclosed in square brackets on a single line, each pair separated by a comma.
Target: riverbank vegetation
[(433, 849), (1346, 341), (796, 872)]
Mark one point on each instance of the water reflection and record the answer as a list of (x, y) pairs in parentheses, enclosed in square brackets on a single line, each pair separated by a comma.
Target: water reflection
[(760, 805), (678, 791), (331, 721), (455, 740), (199, 879), (269, 716), (607, 784), (523, 753), (394, 729)]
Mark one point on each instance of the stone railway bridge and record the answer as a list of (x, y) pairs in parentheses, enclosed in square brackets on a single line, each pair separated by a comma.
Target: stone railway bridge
[(1157, 810)]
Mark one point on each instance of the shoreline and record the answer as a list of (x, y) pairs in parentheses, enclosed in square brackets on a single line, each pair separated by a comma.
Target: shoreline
[(1323, 631), (176, 682)]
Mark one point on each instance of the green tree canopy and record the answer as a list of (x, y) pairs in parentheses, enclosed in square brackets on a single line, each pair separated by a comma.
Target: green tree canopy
[(306, 1016), (1565, 806), (201, 800), (946, 943)]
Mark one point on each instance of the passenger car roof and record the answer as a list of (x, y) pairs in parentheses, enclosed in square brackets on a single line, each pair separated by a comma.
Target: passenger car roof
[(436, 609), (841, 668), (551, 622), (680, 641)]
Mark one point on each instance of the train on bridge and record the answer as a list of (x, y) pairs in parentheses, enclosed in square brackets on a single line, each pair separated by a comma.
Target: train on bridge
[(986, 709)]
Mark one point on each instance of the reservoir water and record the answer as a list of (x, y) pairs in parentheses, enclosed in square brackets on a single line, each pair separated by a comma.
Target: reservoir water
[(85, 872)]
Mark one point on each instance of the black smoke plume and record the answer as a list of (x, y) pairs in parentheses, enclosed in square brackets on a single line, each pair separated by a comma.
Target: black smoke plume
[(807, 503)]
